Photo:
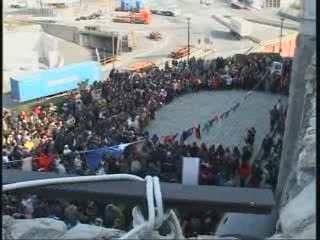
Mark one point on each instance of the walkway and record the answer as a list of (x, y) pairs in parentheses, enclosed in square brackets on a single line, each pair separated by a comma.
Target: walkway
[(189, 110)]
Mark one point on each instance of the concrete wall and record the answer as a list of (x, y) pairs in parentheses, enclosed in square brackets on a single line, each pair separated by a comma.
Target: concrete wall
[(70, 52), (101, 42), (20, 49), (67, 33), (288, 46)]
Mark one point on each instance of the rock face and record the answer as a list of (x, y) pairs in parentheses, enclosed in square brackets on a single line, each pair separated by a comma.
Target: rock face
[(40, 228), (46, 228), (89, 232), (300, 211)]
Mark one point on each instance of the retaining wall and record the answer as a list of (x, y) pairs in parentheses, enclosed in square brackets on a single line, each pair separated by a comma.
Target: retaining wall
[(67, 33)]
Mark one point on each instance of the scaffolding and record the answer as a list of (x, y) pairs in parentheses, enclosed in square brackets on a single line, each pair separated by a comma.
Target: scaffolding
[(272, 3)]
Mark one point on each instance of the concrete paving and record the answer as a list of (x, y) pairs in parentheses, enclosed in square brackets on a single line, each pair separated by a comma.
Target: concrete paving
[(173, 29), (191, 109)]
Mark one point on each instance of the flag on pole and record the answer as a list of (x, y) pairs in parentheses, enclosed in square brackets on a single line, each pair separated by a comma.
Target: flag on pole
[(222, 116), (216, 119), (235, 107), (155, 139), (94, 157), (227, 113), (45, 161), (206, 127), (198, 132), (186, 134), (138, 146), (168, 139), (175, 136)]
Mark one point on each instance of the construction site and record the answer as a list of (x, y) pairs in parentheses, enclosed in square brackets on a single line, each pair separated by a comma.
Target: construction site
[(118, 35), (159, 119)]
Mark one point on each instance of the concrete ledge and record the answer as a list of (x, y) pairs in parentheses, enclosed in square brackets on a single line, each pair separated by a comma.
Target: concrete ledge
[(290, 13), (273, 23)]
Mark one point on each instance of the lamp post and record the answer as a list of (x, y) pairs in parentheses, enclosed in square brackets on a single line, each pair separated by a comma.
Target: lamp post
[(113, 50), (281, 28), (188, 19)]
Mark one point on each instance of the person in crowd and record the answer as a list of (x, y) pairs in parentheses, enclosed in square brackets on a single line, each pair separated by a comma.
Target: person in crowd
[(267, 143), (245, 172), (116, 111)]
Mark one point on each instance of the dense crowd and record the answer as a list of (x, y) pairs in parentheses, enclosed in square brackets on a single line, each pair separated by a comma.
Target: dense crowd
[(116, 111)]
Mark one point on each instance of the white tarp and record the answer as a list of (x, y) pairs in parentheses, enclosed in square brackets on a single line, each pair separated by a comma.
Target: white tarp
[(190, 170)]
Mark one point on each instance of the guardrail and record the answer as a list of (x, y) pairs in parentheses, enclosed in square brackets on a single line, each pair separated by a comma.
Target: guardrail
[(224, 199)]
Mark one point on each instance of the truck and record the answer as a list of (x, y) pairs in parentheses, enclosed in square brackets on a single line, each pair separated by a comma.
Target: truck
[(45, 83), (240, 27), (143, 17)]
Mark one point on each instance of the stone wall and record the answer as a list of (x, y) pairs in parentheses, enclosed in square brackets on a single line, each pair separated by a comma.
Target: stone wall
[(298, 201)]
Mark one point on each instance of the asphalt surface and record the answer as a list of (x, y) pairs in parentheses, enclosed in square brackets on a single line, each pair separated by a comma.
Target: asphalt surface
[(189, 110)]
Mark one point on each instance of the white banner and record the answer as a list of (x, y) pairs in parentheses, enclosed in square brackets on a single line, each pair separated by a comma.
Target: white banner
[(27, 164), (190, 171)]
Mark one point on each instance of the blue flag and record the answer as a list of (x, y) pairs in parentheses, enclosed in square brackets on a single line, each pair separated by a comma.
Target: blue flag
[(94, 157), (155, 139), (116, 151), (186, 134)]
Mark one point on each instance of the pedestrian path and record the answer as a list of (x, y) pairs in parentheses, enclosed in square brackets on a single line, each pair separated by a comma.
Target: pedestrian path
[(189, 110)]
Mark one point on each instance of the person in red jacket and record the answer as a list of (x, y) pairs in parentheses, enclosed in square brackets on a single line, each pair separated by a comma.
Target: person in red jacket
[(245, 172), (215, 82), (38, 111)]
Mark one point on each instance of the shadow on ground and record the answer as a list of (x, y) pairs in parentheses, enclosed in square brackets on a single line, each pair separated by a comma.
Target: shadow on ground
[(218, 34)]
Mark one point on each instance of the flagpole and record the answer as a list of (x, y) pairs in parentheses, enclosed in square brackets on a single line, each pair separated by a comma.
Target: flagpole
[(23, 160), (128, 144)]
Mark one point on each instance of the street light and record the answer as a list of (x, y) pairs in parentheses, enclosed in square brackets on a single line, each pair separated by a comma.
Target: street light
[(281, 27), (188, 16), (113, 50)]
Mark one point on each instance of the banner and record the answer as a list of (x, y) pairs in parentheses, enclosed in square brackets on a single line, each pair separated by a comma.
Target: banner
[(190, 170), (27, 164)]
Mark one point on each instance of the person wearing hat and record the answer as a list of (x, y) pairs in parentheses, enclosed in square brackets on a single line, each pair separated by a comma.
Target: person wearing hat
[(52, 108), (71, 214), (38, 111), (29, 144), (98, 222), (59, 167), (66, 150)]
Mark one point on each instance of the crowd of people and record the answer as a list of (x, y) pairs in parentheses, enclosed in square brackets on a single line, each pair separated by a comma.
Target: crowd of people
[(116, 111)]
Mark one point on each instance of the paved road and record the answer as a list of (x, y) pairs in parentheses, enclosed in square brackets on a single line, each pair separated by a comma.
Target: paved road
[(189, 110)]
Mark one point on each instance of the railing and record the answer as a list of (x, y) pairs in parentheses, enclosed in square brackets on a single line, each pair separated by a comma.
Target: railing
[(224, 199)]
